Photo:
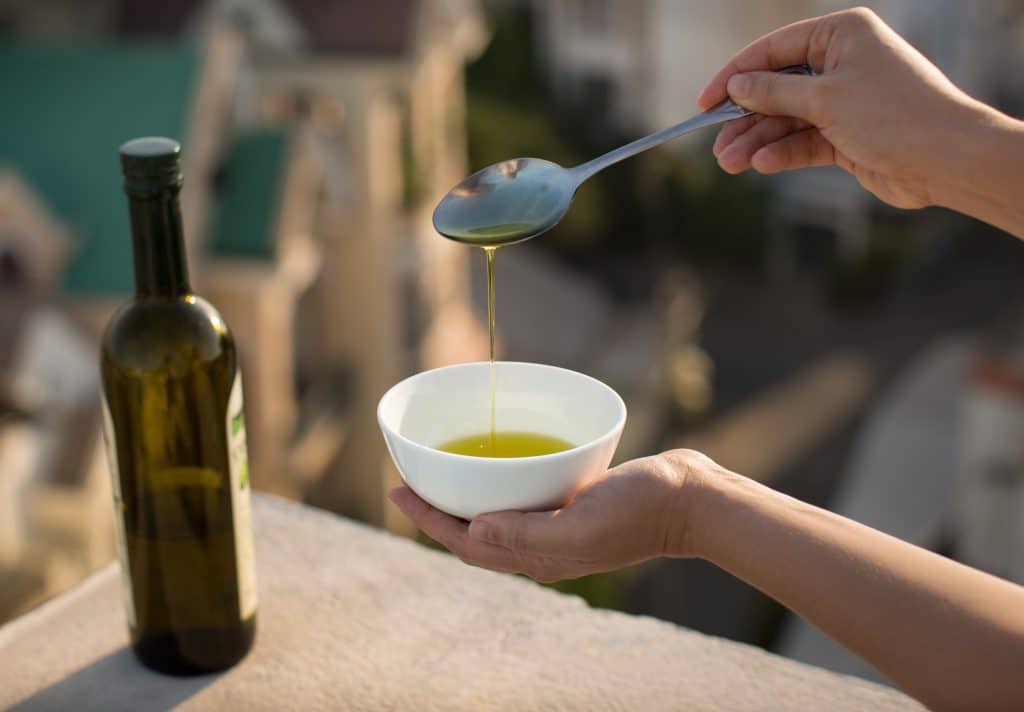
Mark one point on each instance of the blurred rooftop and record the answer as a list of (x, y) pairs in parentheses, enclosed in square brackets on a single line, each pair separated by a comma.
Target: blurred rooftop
[(63, 142), (326, 26)]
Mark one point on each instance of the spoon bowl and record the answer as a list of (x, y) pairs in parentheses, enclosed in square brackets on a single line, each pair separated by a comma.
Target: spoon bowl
[(506, 203)]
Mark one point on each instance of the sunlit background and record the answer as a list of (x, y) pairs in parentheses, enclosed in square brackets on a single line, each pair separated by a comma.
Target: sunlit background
[(862, 358)]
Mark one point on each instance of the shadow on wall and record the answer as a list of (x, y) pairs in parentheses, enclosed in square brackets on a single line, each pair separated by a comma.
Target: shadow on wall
[(115, 682)]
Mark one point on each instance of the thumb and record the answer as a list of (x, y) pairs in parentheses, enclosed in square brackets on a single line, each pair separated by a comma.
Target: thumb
[(774, 94), (547, 533)]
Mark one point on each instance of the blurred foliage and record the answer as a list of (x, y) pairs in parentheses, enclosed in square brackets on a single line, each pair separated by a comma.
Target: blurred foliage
[(598, 590), (720, 217), (867, 278), (509, 116), (413, 180), (507, 70), (656, 200), (498, 131)]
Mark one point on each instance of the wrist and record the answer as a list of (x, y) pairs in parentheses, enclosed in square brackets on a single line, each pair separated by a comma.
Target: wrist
[(690, 525), (982, 153)]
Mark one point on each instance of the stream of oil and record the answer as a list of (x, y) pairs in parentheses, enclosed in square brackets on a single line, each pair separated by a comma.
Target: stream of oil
[(489, 251)]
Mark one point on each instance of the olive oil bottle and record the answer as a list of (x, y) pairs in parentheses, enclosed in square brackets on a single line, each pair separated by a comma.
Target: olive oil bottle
[(175, 431)]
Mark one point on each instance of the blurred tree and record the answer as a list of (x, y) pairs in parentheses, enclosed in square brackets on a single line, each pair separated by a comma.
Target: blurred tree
[(715, 217), (508, 116), (656, 200)]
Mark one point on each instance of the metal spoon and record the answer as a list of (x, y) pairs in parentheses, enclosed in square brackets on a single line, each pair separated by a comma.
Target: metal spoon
[(521, 198)]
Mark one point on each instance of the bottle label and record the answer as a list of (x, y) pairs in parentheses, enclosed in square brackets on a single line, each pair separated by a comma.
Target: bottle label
[(119, 509), (238, 461)]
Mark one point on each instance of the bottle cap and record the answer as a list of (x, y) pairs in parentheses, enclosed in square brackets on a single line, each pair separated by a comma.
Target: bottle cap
[(151, 164)]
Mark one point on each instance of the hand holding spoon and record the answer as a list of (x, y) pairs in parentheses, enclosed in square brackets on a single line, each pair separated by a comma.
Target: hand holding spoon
[(521, 198)]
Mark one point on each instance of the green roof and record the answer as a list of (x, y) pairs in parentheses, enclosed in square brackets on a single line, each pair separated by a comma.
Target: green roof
[(66, 111), (250, 181)]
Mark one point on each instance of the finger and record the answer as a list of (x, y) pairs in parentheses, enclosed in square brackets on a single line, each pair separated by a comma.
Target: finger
[(453, 533), (553, 533), (774, 94), (798, 150), (731, 130), (798, 43), (735, 158)]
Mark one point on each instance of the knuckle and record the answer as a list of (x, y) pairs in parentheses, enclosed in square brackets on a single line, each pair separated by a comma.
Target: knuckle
[(862, 15), (680, 466), (688, 457)]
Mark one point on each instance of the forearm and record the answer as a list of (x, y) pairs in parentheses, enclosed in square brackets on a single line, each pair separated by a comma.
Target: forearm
[(981, 171), (950, 635)]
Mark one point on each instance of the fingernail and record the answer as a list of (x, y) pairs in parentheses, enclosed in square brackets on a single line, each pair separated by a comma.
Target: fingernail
[(739, 86), (481, 530)]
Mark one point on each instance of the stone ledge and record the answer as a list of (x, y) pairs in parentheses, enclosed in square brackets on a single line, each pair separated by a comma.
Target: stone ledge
[(353, 618)]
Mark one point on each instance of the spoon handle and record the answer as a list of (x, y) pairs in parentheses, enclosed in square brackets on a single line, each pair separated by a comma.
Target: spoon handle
[(726, 111)]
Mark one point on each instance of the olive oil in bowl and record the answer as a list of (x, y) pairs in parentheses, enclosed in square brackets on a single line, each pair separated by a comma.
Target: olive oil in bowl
[(506, 444)]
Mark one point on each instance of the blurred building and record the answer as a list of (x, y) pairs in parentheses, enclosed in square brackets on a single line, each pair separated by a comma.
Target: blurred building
[(633, 67), (382, 93), (67, 263), (55, 524), (639, 65), (317, 136)]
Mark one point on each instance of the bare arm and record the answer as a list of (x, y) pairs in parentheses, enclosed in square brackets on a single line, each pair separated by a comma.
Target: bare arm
[(950, 635), (876, 108), (987, 173)]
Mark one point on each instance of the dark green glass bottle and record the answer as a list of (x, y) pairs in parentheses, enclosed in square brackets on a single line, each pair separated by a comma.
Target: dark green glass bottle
[(176, 443)]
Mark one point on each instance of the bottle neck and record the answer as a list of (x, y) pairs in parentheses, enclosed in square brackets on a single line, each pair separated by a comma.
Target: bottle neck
[(158, 245)]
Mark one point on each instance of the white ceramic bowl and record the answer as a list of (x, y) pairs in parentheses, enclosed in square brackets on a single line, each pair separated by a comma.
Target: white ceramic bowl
[(435, 407)]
